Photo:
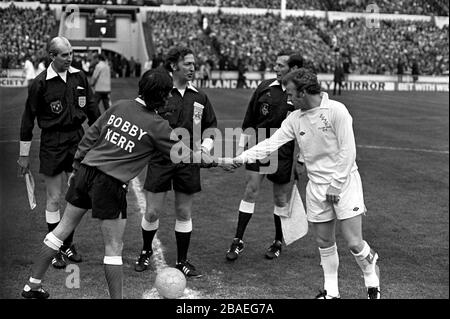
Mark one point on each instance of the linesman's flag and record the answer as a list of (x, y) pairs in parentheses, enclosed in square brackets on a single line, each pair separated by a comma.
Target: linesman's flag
[(295, 223), (29, 181)]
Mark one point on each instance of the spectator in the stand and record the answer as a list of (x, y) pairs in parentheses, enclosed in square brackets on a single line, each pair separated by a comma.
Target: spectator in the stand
[(101, 82), (132, 66), (137, 71), (338, 76), (116, 65), (123, 67), (32, 68), (415, 70), (241, 82), (346, 67), (400, 69)]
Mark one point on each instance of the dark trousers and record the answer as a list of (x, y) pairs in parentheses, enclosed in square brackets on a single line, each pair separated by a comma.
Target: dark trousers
[(336, 83), (104, 97)]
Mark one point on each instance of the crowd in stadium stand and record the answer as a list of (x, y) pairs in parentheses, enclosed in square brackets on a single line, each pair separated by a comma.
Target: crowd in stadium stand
[(24, 33), (259, 38), (420, 7), (219, 44)]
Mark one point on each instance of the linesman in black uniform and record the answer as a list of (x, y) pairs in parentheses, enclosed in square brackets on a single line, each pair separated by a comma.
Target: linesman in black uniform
[(266, 111), (61, 99)]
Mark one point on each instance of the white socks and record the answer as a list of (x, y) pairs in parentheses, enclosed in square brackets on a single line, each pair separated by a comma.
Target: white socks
[(366, 260), (329, 260)]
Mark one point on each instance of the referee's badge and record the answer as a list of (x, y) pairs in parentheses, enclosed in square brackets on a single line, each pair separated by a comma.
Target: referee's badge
[(56, 107), (198, 113), (265, 109), (81, 101)]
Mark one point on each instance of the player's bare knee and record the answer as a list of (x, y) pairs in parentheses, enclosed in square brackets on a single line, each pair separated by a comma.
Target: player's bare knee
[(53, 198), (183, 213), (355, 245), (151, 217), (323, 242), (251, 192), (152, 213), (280, 200)]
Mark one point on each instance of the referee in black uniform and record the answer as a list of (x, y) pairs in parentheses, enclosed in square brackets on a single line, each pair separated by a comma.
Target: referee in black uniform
[(266, 111), (189, 112), (61, 99)]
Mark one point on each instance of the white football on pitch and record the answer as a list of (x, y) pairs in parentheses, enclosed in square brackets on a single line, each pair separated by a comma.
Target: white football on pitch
[(170, 283)]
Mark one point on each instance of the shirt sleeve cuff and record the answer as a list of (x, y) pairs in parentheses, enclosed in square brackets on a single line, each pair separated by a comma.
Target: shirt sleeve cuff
[(208, 144), (24, 148), (336, 184), (243, 140)]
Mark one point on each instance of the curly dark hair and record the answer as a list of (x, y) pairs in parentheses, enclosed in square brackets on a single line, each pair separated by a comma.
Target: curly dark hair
[(174, 55), (154, 88)]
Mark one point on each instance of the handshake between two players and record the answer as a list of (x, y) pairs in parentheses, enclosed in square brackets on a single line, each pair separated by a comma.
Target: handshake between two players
[(227, 163)]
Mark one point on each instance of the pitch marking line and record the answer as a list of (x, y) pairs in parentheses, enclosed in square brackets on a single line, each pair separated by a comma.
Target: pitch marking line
[(158, 250), (423, 150)]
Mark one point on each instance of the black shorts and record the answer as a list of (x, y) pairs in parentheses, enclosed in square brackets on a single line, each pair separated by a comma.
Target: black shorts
[(57, 151), (93, 189), (183, 178), (283, 172)]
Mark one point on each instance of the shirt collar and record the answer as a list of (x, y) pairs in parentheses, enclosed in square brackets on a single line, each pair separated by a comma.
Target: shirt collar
[(323, 104), (52, 73), (188, 86), (277, 83), (140, 101)]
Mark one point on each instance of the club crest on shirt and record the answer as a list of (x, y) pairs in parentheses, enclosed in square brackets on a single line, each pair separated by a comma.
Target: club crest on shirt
[(326, 125), (265, 109), (198, 113), (56, 106), (81, 101)]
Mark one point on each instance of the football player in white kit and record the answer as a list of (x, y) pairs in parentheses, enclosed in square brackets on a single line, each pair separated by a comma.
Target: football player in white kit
[(324, 133)]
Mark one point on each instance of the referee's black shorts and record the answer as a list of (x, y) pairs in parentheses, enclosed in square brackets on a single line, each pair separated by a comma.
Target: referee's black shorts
[(57, 150), (283, 172), (90, 188), (182, 178)]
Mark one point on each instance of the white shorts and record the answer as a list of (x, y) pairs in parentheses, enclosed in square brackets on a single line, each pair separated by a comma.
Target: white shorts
[(351, 202)]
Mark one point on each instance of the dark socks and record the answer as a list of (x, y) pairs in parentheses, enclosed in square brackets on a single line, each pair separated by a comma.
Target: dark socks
[(278, 229), (243, 220), (147, 236), (183, 240)]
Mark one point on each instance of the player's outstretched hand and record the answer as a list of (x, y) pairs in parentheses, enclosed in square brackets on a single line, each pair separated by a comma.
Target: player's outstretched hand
[(332, 194), (206, 160)]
